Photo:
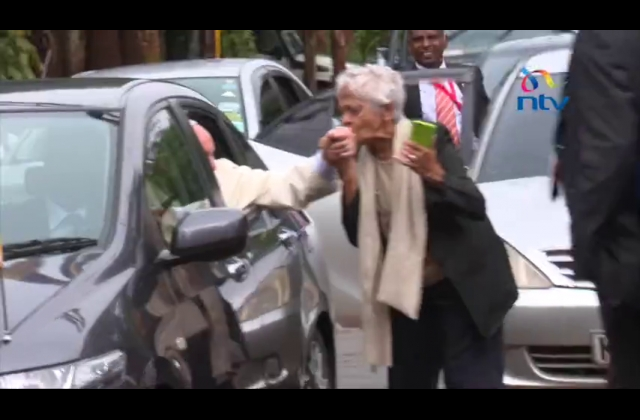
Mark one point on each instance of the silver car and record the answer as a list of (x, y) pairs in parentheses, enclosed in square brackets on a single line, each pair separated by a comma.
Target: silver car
[(554, 336)]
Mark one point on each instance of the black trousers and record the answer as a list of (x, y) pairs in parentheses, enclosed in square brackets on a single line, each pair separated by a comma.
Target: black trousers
[(622, 325), (445, 338)]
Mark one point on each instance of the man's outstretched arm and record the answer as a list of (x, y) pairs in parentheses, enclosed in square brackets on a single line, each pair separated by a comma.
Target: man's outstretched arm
[(296, 188)]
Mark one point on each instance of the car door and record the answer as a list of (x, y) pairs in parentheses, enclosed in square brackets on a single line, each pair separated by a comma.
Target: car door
[(298, 130), (271, 105), (259, 283), (291, 90), (277, 92), (198, 331)]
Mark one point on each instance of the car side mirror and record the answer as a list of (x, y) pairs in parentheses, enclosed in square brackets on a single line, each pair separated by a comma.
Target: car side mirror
[(210, 235)]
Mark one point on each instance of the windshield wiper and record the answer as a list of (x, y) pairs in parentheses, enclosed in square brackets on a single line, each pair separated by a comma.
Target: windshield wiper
[(48, 246)]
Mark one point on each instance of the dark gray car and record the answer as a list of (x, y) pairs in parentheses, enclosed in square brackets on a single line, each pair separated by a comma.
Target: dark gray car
[(95, 296)]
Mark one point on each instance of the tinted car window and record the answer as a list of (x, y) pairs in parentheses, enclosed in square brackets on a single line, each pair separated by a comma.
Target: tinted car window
[(521, 144), (271, 108), (60, 182), (225, 93), (300, 129), (292, 96), (171, 179)]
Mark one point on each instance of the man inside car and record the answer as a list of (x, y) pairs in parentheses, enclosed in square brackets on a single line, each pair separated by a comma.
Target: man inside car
[(243, 187)]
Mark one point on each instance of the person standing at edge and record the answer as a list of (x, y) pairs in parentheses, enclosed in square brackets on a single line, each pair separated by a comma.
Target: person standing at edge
[(440, 101), (599, 158), (436, 277)]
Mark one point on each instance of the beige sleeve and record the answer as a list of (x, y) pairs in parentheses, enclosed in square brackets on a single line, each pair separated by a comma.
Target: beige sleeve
[(244, 187)]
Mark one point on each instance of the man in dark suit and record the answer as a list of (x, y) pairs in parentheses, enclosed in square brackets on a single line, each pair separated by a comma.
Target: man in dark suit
[(599, 160), (439, 102)]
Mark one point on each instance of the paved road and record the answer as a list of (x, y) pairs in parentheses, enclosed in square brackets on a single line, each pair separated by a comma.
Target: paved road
[(353, 372)]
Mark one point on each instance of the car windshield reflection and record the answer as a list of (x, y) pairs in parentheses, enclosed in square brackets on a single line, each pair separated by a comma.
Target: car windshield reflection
[(58, 179)]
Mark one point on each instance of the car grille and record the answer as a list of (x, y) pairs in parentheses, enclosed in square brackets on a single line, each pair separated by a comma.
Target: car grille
[(566, 362), (564, 261)]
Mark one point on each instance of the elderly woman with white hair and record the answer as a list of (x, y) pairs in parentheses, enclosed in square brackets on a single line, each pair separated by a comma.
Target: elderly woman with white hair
[(436, 278)]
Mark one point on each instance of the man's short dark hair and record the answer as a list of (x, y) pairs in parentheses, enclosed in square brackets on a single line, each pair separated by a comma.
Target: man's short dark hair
[(410, 32)]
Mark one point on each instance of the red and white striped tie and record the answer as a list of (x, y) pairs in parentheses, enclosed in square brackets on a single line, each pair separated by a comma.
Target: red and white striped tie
[(445, 109)]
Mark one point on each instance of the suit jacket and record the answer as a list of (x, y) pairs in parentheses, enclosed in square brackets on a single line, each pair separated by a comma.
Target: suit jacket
[(413, 109), (243, 187), (600, 135), (462, 240)]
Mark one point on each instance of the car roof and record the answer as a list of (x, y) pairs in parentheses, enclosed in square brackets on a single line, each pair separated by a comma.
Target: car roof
[(101, 93), (227, 67), (539, 42), (556, 61)]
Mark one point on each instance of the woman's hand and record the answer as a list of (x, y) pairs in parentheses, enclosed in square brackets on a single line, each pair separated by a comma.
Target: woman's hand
[(422, 161)]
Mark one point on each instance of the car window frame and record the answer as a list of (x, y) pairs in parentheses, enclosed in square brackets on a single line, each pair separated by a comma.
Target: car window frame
[(238, 151), (268, 130), (236, 79), (299, 94), (213, 194), (266, 78)]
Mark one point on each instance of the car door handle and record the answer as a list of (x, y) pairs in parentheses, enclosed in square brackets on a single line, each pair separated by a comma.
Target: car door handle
[(238, 269), (288, 238)]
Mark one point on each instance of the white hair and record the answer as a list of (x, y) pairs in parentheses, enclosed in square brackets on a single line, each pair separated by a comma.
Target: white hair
[(379, 85)]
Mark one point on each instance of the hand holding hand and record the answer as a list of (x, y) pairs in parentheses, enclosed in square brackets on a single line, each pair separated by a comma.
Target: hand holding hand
[(338, 145), (423, 161)]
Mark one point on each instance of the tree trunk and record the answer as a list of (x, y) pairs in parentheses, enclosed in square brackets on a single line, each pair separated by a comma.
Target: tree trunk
[(103, 49), (131, 47), (152, 46), (339, 52), (177, 44), (194, 45), (76, 46), (207, 44), (310, 52), (59, 66)]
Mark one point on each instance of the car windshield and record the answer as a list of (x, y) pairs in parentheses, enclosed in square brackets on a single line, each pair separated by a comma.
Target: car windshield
[(223, 92), (57, 180), (521, 143)]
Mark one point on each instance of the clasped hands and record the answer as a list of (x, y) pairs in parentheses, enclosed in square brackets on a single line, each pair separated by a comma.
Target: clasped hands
[(340, 148)]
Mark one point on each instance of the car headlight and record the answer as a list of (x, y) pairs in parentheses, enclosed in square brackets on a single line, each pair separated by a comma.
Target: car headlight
[(92, 373), (271, 295), (525, 272)]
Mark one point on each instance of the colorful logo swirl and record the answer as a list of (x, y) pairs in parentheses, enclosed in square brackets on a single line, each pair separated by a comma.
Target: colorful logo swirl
[(528, 77)]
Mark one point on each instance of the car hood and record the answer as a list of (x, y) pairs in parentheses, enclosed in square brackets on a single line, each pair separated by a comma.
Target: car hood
[(523, 214), (31, 282)]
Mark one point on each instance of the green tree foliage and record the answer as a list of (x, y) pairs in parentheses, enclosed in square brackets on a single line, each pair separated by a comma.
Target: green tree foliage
[(366, 42), (19, 58), (238, 43)]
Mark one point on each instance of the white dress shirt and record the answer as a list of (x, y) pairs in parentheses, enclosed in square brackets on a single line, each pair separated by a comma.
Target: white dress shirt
[(428, 99)]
